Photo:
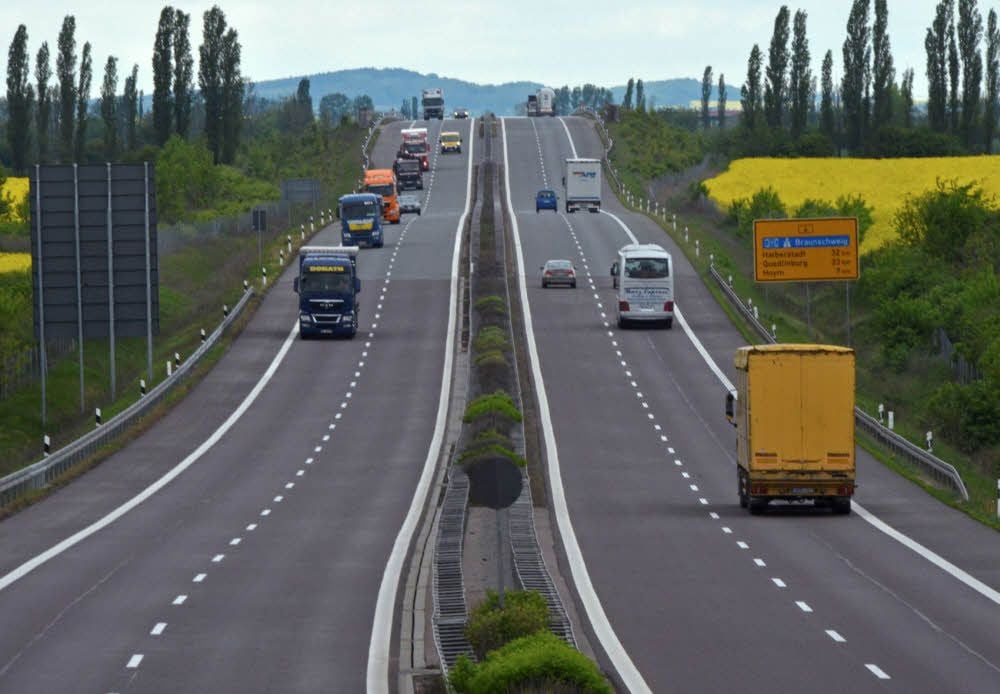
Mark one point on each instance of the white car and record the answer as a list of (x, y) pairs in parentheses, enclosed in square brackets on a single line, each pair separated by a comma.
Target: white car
[(408, 203)]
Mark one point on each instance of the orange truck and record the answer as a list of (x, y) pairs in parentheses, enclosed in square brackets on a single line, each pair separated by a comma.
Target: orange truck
[(383, 182)]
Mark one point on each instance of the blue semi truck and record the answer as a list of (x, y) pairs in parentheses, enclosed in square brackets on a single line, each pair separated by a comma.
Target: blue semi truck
[(328, 288), (361, 219)]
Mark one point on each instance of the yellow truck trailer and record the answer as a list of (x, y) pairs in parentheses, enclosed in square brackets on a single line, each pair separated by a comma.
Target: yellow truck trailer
[(794, 416)]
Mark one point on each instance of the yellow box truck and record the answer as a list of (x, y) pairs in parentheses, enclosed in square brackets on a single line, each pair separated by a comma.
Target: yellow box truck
[(793, 410)]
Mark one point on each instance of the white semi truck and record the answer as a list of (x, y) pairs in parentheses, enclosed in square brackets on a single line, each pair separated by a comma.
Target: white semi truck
[(582, 180), (432, 100)]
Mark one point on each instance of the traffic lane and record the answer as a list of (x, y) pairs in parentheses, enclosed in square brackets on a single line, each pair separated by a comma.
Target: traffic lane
[(166, 442), (252, 477), (814, 553), (897, 501), (651, 549)]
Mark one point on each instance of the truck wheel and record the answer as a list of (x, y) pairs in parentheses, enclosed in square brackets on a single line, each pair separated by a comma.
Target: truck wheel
[(741, 486), (841, 505), (756, 505)]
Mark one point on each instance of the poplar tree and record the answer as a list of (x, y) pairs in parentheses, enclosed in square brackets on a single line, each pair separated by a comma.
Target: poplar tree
[(827, 122), (66, 72), (992, 79), (210, 78), (232, 95), (627, 101), (706, 95), (750, 92), (936, 47), (906, 97), (800, 80), (130, 108), (109, 108), (970, 34), (20, 95), (856, 82), (640, 96), (163, 114), (43, 109), (883, 72), (953, 71), (183, 73), (777, 65), (722, 101), (82, 101)]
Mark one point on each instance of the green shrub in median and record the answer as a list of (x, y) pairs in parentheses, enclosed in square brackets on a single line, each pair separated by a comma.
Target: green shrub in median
[(497, 404), (492, 309), (540, 662), (491, 337), (524, 612)]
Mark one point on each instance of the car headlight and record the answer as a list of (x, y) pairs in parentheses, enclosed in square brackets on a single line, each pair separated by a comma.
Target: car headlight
[(305, 318)]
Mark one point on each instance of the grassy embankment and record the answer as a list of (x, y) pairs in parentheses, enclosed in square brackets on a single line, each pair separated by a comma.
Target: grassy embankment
[(638, 156)]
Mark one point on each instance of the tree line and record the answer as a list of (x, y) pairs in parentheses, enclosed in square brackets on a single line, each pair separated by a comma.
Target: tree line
[(48, 122), (869, 112)]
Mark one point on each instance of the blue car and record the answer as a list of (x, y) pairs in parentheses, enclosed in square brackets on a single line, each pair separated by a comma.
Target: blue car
[(546, 200)]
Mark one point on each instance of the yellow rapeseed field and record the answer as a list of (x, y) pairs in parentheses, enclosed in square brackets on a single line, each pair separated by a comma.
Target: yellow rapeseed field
[(883, 183), (15, 189), (10, 262)]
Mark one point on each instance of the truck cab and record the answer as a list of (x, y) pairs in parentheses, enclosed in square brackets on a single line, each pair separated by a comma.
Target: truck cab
[(432, 101), (643, 277), (383, 182), (408, 174), (361, 220), (414, 146), (328, 288)]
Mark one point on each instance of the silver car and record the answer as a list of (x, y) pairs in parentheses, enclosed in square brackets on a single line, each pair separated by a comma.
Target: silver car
[(408, 203), (558, 272)]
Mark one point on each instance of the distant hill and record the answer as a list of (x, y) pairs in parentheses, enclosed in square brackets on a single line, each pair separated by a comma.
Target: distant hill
[(389, 86)]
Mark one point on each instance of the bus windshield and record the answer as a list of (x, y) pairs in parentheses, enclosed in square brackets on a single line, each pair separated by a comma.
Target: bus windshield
[(647, 268)]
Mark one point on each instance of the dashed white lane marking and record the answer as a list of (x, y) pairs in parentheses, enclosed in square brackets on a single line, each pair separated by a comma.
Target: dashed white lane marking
[(877, 671), (703, 501), (326, 437), (318, 449), (278, 499), (218, 558), (266, 512), (742, 545), (713, 515), (134, 661), (289, 485), (727, 531), (180, 600), (803, 606), (778, 582), (309, 461), (835, 636), (694, 487), (251, 527), (685, 475), (199, 578), (759, 562), (300, 473), (235, 541), (158, 629)]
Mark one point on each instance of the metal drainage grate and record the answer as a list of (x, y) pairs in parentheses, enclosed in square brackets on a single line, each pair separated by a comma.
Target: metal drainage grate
[(450, 612)]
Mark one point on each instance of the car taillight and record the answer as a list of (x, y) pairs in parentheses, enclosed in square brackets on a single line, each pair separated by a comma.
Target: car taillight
[(623, 306), (668, 306), (548, 273)]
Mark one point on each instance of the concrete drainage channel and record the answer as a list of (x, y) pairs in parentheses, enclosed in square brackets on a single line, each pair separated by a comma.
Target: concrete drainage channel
[(456, 522)]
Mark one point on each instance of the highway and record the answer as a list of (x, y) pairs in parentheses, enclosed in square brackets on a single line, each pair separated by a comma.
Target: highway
[(684, 590), (259, 567), (264, 555)]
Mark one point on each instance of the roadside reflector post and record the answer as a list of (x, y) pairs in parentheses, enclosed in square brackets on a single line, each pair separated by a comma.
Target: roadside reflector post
[(263, 277), (774, 331), (930, 441), (675, 225), (177, 359), (686, 238), (97, 416), (289, 244), (755, 315), (225, 310), (892, 420), (881, 413), (697, 248), (730, 281), (142, 387), (47, 448), (711, 259), (170, 368), (202, 336), (312, 226), (302, 228), (281, 257), (246, 285)]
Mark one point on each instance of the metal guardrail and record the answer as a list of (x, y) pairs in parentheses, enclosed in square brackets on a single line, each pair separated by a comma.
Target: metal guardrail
[(41, 473), (938, 469)]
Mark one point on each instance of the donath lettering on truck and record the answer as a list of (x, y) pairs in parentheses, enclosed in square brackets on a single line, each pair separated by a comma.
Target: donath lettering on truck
[(361, 220), (383, 182), (793, 409), (643, 278), (328, 288)]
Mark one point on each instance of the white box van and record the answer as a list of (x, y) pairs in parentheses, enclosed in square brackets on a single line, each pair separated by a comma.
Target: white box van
[(643, 276)]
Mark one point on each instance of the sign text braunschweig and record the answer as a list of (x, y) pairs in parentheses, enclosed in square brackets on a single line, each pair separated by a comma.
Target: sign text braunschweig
[(797, 250)]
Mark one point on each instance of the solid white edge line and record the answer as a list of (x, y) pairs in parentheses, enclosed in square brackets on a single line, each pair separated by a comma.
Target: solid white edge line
[(156, 486), (931, 556), (574, 556), (381, 638)]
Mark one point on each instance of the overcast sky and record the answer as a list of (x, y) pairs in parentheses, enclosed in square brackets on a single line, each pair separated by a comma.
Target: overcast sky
[(556, 42)]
